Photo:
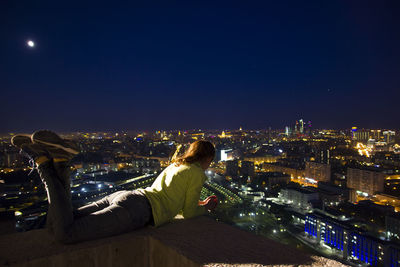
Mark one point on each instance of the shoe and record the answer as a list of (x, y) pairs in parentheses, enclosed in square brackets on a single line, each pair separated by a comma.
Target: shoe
[(21, 140), (56, 146)]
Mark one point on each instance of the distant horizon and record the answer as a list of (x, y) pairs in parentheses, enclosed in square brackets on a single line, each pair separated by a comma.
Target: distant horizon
[(181, 129), (212, 126)]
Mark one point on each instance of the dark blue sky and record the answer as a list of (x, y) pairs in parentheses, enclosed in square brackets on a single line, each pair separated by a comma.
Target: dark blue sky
[(112, 66)]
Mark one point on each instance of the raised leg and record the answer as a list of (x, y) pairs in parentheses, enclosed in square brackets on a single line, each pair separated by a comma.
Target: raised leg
[(120, 212), (60, 208), (63, 172)]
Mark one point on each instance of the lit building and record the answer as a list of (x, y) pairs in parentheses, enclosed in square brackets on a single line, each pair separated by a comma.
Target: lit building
[(301, 124), (226, 154), (232, 168), (264, 159), (294, 173), (225, 135), (366, 181), (327, 231), (332, 189), (375, 134), (362, 135), (389, 136), (318, 171), (300, 198), (393, 259), (269, 179), (385, 199), (353, 132), (247, 169), (351, 245), (288, 131), (309, 128), (392, 223), (146, 165)]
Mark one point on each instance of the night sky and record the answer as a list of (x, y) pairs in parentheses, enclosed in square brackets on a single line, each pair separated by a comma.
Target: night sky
[(106, 65)]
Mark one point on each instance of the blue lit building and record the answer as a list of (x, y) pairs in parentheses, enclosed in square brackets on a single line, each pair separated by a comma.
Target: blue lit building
[(394, 256), (365, 249), (311, 225), (333, 235), (351, 244), (329, 231)]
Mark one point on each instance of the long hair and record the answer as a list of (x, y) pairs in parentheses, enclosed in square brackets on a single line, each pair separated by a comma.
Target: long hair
[(197, 152)]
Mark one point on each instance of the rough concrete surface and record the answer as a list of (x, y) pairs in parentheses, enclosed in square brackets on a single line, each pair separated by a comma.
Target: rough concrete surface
[(195, 242)]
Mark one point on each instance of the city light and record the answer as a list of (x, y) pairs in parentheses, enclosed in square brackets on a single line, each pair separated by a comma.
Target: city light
[(250, 178)]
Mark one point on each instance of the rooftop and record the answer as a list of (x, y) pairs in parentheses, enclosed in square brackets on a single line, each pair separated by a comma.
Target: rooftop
[(194, 242)]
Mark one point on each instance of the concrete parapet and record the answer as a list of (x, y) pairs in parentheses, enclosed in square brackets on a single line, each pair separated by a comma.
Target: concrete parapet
[(196, 242)]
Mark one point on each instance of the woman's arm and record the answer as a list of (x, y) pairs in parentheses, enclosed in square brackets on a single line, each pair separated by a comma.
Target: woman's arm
[(191, 207)]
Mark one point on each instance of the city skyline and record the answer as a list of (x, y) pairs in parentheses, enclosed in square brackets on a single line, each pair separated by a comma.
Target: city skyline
[(329, 192), (88, 67), (289, 129)]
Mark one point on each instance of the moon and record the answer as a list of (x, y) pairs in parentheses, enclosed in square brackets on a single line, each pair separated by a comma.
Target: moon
[(30, 43)]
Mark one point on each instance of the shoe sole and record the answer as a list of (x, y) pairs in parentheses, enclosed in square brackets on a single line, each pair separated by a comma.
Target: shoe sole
[(66, 149), (25, 137), (57, 144)]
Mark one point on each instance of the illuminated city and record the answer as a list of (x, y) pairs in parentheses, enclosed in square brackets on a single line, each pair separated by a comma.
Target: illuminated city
[(299, 100), (305, 187)]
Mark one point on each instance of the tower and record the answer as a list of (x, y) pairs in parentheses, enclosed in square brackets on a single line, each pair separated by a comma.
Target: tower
[(301, 122)]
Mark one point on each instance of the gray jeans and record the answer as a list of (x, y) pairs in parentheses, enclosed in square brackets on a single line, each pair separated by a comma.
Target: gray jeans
[(119, 212)]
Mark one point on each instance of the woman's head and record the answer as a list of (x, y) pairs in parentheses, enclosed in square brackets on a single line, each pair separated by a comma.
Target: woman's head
[(200, 151)]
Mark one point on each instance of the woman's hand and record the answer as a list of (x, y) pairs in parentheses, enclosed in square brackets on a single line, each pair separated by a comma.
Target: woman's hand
[(209, 203)]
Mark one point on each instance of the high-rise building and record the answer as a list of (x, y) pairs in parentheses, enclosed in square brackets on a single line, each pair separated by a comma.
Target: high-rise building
[(321, 152), (301, 123), (309, 128), (361, 135), (232, 168), (288, 131), (247, 169), (376, 134), (325, 156), (365, 181), (318, 171), (388, 136), (353, 132)]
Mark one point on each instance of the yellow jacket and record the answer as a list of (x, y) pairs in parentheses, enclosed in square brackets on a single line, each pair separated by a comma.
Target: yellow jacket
[(176, 189)]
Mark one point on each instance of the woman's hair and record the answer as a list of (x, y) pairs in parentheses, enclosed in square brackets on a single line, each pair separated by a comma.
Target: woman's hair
[(197, 152)]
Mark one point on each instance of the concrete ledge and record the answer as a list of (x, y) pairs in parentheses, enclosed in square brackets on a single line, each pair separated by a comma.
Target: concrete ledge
[(195, 242)]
